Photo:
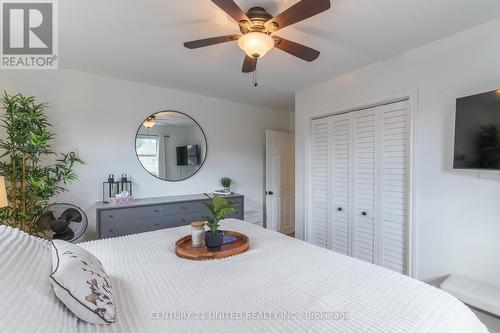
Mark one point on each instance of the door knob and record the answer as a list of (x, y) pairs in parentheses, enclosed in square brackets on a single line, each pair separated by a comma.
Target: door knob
[(339, 209), (364, 213), (269, 192)]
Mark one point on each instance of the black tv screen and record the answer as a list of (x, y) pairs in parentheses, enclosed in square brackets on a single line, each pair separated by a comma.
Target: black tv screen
[(477, 132), (188, 155)]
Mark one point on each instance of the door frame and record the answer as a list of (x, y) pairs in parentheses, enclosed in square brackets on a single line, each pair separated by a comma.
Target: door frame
[(411, 95)]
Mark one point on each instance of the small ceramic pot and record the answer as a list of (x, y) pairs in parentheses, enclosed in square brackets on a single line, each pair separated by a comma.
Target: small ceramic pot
[(214, 241)]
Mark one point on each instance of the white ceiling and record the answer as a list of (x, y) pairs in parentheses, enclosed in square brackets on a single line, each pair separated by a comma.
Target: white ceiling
[(141, 40)]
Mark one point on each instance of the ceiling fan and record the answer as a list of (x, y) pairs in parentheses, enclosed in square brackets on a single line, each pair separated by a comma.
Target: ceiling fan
[(257, 27)]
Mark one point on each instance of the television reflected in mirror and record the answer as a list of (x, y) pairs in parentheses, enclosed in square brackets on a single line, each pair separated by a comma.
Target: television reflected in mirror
[(477, 132), (171, 146)]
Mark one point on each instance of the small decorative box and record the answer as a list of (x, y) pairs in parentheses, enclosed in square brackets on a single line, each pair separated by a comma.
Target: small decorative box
[(121, 200)]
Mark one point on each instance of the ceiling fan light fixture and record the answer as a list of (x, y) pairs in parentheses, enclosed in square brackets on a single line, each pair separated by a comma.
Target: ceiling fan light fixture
[(150, 122), (256, 44)]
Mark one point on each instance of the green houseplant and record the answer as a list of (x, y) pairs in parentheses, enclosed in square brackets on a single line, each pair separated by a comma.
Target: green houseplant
[(219, 207), (34, 173), (226, 183)]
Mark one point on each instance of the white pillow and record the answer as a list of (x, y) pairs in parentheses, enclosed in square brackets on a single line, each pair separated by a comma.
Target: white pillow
[(81, 283)]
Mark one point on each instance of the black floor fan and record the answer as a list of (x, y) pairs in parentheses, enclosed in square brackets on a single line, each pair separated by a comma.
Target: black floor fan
[(70, 225)]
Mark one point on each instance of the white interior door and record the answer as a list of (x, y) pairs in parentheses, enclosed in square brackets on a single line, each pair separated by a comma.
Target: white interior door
[(340, 183), (360, 185), (394, 166), (319, 212), (365, 184), (280, 182)]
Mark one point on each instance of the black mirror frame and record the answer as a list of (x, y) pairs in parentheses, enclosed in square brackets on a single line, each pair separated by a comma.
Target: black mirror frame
[(204, 136)]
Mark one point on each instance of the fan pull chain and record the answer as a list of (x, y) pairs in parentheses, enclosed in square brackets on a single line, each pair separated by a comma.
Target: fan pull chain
[(255, 84)]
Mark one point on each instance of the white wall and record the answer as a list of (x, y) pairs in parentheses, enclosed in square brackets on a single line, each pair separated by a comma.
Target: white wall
[(98, 117), (457, 214)]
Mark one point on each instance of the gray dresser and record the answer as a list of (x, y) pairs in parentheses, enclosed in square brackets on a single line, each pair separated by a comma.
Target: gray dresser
[(156, 213)]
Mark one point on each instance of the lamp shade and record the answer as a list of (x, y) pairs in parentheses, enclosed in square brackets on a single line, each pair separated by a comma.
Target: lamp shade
[(3, 194), (150, 122), (256, 44)]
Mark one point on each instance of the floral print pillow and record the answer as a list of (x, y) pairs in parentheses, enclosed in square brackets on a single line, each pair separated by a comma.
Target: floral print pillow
[(80, 282)]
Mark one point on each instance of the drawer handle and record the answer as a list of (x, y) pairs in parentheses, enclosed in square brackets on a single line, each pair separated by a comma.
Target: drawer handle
[(157, 211), (184, 208), (340, 209), (184, 220), (111, 231), (364, 213), (111, 216), (157, 224)]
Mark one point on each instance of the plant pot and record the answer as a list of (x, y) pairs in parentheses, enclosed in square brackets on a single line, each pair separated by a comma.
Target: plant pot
[(227, 189), (214, 241)]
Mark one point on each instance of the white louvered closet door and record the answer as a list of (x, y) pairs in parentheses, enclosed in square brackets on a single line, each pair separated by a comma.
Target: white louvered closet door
[(318, 228), (340, 183), (394, 170), (360, 184), (365, 184)]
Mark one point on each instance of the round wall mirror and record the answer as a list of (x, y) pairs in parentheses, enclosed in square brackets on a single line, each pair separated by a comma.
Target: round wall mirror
[(171, 145)]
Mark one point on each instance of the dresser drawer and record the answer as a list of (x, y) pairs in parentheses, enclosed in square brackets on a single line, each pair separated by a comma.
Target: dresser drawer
[(121, 214), (184, 219), (128, 227), (186, 207)]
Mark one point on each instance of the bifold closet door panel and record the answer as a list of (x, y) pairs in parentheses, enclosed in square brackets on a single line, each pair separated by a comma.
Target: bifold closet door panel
[(341, 177), (395, 175), (365, 184), (360, 182), (318, 226)]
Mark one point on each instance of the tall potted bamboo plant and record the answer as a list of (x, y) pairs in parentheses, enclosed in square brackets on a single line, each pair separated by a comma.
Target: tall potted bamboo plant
[(33, 171)]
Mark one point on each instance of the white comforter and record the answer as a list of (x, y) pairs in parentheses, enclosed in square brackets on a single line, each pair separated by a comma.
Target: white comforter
[(279, 285)]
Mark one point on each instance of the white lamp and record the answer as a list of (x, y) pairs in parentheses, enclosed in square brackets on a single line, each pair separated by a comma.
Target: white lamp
[(3, 194), (256, 44)]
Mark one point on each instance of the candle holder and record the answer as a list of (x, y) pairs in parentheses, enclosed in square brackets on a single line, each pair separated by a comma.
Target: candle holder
[(112, 188)]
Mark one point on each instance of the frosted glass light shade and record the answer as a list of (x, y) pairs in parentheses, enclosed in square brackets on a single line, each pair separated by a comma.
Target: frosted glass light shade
[(150, 122), (3, 194), (256, 44)]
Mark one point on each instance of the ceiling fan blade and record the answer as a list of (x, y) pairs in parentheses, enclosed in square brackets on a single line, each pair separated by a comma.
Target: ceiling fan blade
[(210, 41), (302, 10), (232, 9), (249, 65), (300, 51)]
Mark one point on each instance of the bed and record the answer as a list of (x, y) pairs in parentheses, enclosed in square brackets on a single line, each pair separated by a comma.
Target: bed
[(280, 285)]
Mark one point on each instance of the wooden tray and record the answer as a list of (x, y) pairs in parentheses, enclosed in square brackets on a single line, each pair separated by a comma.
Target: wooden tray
[(184, 249)]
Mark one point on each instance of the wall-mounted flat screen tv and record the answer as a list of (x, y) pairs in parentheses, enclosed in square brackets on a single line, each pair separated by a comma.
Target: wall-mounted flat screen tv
[(477, 132), (188, 155)]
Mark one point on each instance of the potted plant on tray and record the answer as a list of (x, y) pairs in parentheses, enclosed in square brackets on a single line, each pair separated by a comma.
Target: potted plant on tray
[(220, 208), (226, 183)]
